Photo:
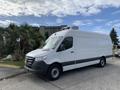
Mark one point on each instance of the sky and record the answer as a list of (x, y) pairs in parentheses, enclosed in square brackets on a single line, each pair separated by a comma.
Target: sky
[(90, 15)]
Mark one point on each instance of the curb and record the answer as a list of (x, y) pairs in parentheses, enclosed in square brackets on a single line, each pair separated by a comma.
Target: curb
[(9, 66), (13, 75)]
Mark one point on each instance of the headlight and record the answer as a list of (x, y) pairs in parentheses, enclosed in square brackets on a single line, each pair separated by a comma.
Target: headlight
[(116, 52), (40, 58)]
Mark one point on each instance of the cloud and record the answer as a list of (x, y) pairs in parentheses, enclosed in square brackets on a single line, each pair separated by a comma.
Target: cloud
[(82, 22), (59, 20), (5, 23), (58, 8), (35, 24), (117, 25), (100, 29), (88, 22), (99, 20), (116, 12), (77, 23), (102, 32), (114, 23)]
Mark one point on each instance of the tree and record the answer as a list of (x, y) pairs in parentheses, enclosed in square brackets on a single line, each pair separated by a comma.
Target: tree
[(1, 44), (30, 38), (114, 37), (46, 35)]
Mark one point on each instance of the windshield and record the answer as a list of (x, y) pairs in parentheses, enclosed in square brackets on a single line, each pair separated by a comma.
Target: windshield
[(52, 42)]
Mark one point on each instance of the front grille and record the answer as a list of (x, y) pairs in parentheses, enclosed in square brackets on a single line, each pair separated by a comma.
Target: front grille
[(29, 61)]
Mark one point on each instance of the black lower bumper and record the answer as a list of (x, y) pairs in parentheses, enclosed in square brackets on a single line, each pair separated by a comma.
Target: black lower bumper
[(37, 67)]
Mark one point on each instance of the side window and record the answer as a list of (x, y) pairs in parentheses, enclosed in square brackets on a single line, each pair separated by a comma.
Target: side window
[(66, 44)]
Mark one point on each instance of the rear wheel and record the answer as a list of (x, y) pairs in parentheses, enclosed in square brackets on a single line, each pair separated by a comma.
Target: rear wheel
[(102, 62), (54, 72)]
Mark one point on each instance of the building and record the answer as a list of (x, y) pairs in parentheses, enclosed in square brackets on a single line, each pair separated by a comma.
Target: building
[(48, 30)]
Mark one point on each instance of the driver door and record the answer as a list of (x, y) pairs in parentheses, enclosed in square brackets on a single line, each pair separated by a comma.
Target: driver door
[(65, 52)]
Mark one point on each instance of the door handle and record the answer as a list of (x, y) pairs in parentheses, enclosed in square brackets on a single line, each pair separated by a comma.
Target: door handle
[(72, 51)]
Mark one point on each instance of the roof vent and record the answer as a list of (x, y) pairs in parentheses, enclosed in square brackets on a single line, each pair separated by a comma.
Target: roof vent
[(65, 28), (75, 27)]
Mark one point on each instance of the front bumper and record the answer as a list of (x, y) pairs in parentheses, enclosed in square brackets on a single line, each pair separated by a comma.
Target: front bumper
[(37, 66)]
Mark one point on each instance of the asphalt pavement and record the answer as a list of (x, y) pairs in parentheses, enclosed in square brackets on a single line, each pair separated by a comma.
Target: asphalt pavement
[(8, 72), (88, 78)]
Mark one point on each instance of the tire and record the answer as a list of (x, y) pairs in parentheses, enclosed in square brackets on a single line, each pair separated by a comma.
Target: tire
[(54, 72), (102, 62)]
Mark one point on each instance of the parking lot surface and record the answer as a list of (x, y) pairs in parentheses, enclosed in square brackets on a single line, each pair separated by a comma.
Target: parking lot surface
[(88, 78)]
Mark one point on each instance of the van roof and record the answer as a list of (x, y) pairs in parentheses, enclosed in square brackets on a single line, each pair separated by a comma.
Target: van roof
[(61, 33), (76, 32)]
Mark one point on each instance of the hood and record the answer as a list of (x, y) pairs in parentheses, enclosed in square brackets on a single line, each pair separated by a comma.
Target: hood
[(39, 52)]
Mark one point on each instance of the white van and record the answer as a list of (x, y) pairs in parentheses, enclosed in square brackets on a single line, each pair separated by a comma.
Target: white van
[(69, 49)]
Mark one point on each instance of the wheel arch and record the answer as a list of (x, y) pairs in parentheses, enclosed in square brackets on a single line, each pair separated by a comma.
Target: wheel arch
[(57, 63), (103, 57)]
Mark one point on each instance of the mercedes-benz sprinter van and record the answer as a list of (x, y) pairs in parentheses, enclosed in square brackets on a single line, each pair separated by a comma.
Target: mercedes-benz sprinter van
[(69, 49)]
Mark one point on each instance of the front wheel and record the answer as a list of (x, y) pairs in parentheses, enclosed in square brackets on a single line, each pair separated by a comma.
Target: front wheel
[(54, 72), (102, 62)]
